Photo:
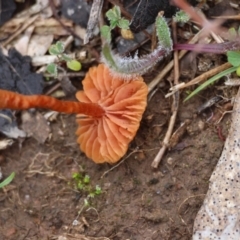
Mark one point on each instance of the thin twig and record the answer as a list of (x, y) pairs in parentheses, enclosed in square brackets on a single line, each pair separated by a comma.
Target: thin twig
[(134, 151), (185, 200), (67, 74), (176, 57), (200, 78), (175, 105), (93, 19), (117, 165)]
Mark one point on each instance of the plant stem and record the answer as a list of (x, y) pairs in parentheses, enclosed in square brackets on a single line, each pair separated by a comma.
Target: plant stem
[(217, 48), (18, 101)]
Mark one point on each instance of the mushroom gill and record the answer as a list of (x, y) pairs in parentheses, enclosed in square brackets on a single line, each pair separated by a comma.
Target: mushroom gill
[(106, 138)]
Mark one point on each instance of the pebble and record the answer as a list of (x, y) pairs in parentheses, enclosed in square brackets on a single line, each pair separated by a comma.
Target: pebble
[(201, 125), (170, 161)]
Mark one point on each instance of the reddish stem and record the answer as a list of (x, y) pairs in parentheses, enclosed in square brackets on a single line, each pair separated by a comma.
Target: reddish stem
[(18, 101), (217, 48)]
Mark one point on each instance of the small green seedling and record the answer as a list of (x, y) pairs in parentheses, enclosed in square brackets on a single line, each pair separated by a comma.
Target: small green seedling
[(181, 17), (82, 183), (7, 180), (129, 67), (58, 50), (115, 20)]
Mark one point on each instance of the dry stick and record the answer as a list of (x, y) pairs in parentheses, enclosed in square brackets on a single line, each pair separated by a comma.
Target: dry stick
[(67, 74), (134, 151), (93, 19), (200, 78), (176, 58), (169, 66), (117, 165), (175, 105), (29, 22), (233, 17)]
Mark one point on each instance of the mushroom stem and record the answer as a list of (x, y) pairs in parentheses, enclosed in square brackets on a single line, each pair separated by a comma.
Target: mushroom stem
[(18, 101)]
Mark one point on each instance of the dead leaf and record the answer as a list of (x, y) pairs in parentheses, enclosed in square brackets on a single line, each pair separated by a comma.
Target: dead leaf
[(22, 44), (35, 125), (4, 143), (39, 44)]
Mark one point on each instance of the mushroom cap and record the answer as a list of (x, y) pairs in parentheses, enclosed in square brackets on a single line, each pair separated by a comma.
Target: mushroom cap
[(106, 139)]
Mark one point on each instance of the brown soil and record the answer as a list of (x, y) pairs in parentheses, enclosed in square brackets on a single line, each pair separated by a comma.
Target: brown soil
[(137, 202)]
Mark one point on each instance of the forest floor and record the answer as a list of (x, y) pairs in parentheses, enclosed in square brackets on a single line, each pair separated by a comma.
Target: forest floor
[(137, 202)]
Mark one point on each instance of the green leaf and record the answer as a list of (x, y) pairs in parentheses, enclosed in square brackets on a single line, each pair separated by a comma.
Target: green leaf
[(114, 14), (234, 58), (238, 71), (80, 185), (53, 50), (7, 180), (74, 65), (52, 69), (163, 32), (106, 33), (113, 24), (210, 81), (76, 176), (86, 203), (98, 190), (86, 179), (60, 46), (123, 23), (91, 195), (181, 16), (117, 11), (110, 14)]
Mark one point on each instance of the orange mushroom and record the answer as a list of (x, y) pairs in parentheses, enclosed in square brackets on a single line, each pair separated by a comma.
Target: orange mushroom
[(109, 112), (106, 138)]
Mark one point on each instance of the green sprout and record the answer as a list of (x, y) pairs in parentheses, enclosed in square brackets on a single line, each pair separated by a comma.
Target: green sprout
[(58, 50), (82, 182), (181, 16), (7, 180), (115, 19)]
